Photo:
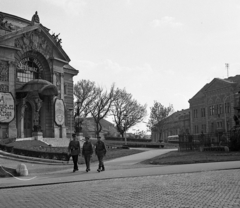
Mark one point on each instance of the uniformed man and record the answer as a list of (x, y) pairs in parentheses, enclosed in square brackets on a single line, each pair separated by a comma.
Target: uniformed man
[(100, 151), (87, 152), (74, 151)]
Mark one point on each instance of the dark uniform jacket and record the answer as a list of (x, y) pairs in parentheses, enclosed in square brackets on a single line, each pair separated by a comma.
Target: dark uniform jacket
[(87, 148), (100, 148), (74, 148)]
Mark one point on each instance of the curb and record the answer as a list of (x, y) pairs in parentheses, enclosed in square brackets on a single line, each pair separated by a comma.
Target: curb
[(31, 159)]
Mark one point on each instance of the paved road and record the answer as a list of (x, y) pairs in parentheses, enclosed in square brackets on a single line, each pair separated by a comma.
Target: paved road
[(215, 189), (128, 184)]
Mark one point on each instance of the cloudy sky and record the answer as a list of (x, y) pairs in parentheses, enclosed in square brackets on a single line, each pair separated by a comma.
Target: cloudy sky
[(163, 50)]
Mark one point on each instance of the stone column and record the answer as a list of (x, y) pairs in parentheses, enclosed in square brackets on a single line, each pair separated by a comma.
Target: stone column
[(23, 107), (12, 128), (63, 129)]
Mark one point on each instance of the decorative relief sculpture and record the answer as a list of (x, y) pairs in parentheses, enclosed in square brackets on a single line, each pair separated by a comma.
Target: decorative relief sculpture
[(5, 25), (34, 41), (57, 40), (4, 71), (4, 88)]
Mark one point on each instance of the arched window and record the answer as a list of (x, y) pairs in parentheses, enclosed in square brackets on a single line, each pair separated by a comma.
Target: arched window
[(27, 70)]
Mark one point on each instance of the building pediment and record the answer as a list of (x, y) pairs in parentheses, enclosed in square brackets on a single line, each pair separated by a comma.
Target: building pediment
[(217, 84), (35, 37)]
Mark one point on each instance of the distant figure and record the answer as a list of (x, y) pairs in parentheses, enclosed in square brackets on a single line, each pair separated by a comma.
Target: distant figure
[(100, 151), (236, 120), (87, 152), (35, 18), (74, 151)]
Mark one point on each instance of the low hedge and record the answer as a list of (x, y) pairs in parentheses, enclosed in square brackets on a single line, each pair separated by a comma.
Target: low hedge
[(58, 153), (216, 148), (128, 139)]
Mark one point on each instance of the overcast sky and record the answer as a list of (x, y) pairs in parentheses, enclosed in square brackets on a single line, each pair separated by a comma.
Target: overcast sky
[(163, 50)]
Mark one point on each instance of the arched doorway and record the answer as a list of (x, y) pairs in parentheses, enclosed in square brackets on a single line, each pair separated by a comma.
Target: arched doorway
[(28, 120)]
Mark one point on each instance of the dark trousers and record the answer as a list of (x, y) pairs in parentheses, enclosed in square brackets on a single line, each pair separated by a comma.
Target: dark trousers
[(87, 161), (75, 162), (100, 161)]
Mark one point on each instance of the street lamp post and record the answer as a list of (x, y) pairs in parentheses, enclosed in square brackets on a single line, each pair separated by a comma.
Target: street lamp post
[(125, 122), (77, 119), (70, 112)]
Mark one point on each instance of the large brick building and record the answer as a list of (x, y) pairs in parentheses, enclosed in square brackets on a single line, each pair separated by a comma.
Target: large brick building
[(212, 108), (36, 80)]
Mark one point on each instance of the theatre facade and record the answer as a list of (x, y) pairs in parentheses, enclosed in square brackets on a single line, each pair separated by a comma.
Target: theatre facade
[(36, 81)]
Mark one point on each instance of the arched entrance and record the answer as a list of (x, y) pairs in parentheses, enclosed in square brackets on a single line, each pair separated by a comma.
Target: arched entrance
[(28, 120)]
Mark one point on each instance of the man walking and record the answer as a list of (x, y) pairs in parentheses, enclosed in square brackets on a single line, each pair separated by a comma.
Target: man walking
[(74, 151), (87, 152), (100, 151)]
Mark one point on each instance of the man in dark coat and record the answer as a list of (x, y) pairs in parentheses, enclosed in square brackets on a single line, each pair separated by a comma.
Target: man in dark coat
[(87, 152), (100, 151), (74, 151)]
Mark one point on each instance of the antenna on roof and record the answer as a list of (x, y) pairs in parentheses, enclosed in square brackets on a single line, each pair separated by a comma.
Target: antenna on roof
[(227, 66)]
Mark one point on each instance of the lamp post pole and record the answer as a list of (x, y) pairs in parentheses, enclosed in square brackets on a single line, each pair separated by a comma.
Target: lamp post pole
[(77, 119), (125, 136), (70, 111)]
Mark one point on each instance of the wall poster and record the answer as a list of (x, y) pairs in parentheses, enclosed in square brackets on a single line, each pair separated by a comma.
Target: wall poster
[(7, 107)]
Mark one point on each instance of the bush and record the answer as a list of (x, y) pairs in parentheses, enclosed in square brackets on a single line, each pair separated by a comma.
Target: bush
[(234, 143)]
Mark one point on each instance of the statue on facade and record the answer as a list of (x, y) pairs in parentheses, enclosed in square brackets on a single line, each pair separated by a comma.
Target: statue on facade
[(38, 102), (35, 18)]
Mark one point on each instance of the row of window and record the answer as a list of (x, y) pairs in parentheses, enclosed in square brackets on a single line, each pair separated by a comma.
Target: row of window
[(212, 128), (213, 110)]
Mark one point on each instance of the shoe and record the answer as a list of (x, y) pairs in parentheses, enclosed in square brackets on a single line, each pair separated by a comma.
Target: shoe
[(74, 171), (98, 170), (86, 170)]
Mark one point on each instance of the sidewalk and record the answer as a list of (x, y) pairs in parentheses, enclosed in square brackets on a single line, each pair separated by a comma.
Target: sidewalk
[(118, 168)]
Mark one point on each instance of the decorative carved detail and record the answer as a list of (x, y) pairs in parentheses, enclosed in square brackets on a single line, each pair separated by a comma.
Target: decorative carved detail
[(34, 41), (57, 40), (4, 88), (4, 71), (5, 25)]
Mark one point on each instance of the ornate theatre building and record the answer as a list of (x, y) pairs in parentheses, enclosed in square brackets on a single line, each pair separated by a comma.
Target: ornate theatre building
[(36, 81)]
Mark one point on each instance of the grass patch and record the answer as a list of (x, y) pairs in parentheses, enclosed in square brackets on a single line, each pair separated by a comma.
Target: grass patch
[(191, 157), (28, 144), (37, 145)]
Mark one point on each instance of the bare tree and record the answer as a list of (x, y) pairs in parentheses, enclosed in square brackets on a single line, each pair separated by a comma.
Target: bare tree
[(101, 106), (86, 93), (126, 111)]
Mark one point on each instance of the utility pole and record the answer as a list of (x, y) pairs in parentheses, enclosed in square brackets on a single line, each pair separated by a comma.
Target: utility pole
[(227, 66)]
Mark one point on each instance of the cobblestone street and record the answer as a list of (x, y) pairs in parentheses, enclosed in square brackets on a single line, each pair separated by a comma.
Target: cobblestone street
[(218, 189)]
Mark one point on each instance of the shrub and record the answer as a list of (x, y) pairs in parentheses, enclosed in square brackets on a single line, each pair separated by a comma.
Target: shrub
[(234, 143)]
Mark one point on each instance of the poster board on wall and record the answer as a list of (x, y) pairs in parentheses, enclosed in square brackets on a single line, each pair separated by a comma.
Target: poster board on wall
[(59, 114), (7, 107)]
